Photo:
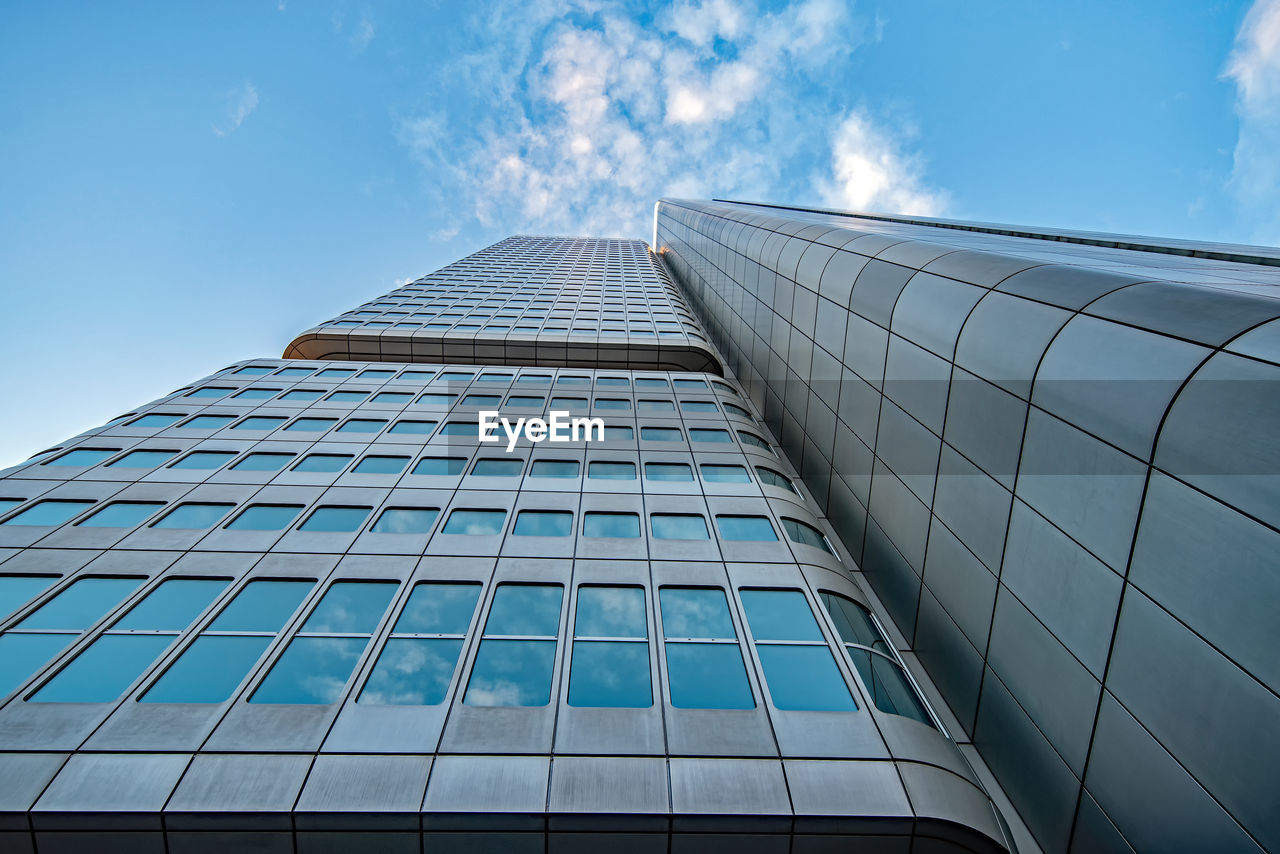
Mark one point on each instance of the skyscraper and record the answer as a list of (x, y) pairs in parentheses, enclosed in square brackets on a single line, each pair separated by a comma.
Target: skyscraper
[(300, 605)]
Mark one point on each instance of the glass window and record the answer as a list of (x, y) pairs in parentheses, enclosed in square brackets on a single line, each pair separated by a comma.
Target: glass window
[(257, 393), (18, 590), (416, 427), (49, 512), (433, 399), (755, 528), (516, 659), (619, 382), (56, 624), (362, 425), (797, 663), (336, 372), (543, 523), (321, 657), (82, 457), (495, 378), (475, 522), (573, 380), (336, 519), (265, 517), (578, 403), (608, 470), (704, 663), (401, 397), (156, 420), (497, 467), (260, 422), (440, 465), (598, 524), (455, 377), (667, 471), (525, 400), (481, 400), (203, 460), (294, 372), (302, 394), (114, 661), (688, 383), (325, 463), (194, 516), (610, 665), (263, 462), (208, 422), (697, 406), (536, 379), (253, 370), (773, 478), (209, 391), (802, 532), (122, 514), (381, 465), (416, 376), (378, 373), (655, 406), (418, 661), (723, 473), (554, 468), (405, 520), (618, 434), (734, 409), (650, 382), (312, 425), (752, 439), (612, 403), (679, 526), (460, 428), (660, 434), (702, 434)]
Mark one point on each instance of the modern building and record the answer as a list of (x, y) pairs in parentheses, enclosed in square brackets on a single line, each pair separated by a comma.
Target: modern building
[(900, 535)]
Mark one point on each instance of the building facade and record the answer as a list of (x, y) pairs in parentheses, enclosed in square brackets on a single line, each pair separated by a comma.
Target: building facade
[(297, 605)]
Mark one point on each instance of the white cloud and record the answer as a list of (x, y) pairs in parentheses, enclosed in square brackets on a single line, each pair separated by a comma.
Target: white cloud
[(240, 103), (1254, 66), (599, 116), (871, 172)]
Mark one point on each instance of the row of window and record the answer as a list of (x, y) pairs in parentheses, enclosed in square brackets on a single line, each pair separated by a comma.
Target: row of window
[(204, 515), (514, 663), (493, 328)]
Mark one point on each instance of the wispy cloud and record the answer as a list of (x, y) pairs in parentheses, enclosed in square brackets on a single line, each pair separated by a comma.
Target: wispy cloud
[(1254, 66), (607, 111), (239, 104)]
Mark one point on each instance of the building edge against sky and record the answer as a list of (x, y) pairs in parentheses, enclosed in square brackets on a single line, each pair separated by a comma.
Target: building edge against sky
[(1052, 455), (297, 605)]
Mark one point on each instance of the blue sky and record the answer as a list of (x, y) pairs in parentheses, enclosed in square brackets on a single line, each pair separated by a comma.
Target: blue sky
[(184, 185)]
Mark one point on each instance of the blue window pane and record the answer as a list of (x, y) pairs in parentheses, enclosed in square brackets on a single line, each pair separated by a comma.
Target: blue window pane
[(660, 434), (83, 457), (81, 605), (312, 425), (688, 383), (311, 671), (773, 478), (460, 428), (258, 393), (543, 523), (715, 473), (650, 382), (265, 517), (22, 655), (698, 406), (890, 690), (351, 607), (576, 381), (323, 463), (435, 399), (7, 504), (805, 534), (203, 460), (611, 525), (704, 435), (302, 394), (49, 513), (440, 465), (143, 459), (122, 514), (336, 519), (260, 422), (497, 468), (618, 434), (417, 376), (612, 403), (209, 422), (611, 471), (209, 391), (405, 520), (612, 674), (196, 517), (336, 372), (753, 528), (512, 673), (262, 606), (695, 612), (534, 379), (475, 522), (455, 376), (853, 622), (101, 673), (481, 400), (525, 609), (554, 468), (780, 615), (439, 608), (578, 403), (610, 612), (348, 396), (393, 397), (17, 590), (155, 420), (362, 425), (752, 439), (804, 677), (707, 676), (173, 605), (734, 409), (655, 406), (495, 378), (381, 465), (622, 382), (376, 374), (253, 370), (524, 400), (673, 526), (263, 462), (294, 372), (667, 471), (420, 428), (413, 672)]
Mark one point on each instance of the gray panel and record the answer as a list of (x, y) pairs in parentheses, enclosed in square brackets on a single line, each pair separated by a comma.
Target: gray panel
[(373, 786), (25, 776), (960, 806), (953, 662), (1068, 287), (123, 790), (985, 424), (243, 792), (613, 793), (1004, 338), (981, 268), (480, 785), (831, 796), (877, 289), (962, 584), (973, 506), (918, 382), (909, 449), (1209, 315), (865, 344), (1095, 832), (931, 310), (741, 792)]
